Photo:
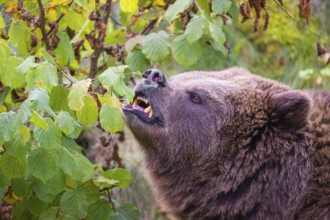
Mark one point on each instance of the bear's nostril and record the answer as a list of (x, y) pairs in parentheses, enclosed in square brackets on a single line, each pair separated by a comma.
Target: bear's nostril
[(156, 77), (146, 74)]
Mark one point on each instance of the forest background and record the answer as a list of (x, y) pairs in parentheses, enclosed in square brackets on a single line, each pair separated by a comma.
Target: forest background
[(67, 65)]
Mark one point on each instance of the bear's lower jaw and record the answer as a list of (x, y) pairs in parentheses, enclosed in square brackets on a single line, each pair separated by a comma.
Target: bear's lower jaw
[(139, 112)]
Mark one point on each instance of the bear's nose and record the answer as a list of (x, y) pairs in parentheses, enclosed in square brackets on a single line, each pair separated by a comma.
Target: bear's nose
[(153, 78)]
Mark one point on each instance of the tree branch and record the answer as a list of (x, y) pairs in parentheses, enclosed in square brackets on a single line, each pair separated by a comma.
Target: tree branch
[(42, 26), (98, 43)]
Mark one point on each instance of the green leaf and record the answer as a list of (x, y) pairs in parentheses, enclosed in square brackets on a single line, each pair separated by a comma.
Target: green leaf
[(21, 187), (16, 146), (184, 52), (73, 19), (2, 22), (111, 119), (42, 163), (233, 11), (75, 165), (100, 210), (89, 113), (204, 8), (42, 192), (122, 90), (12, 166), (91, 191), (131, 43), (195, 29), (36, 206), (74, 203), (126, 212), (49, 214), (40, 98), (64, 52), (137, 61), (176, 8), (220, 6), (24, 113), (26, 65), (121, 175), (77, 94), (65, 122), (111, 76), (18, 35), (38, 121), (44, 76), (53, 186), (7, 126), (24, 133), (156, 46), (77, 130), (48, 138), (59, 99), (10, 76), (217, 34)]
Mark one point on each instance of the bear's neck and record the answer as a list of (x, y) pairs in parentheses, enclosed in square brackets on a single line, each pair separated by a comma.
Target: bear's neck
[(205, 189)]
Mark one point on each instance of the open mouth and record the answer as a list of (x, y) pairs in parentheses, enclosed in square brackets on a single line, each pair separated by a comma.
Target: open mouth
[(141, 107)]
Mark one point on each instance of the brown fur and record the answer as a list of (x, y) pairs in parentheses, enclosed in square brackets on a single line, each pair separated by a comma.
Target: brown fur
[(252, 149)]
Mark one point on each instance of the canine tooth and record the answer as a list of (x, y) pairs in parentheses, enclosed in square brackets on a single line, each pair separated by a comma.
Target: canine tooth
[(151, 113), (147, 110)]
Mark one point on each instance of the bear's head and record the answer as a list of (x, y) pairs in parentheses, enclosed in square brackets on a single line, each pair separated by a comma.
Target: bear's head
[(228, 138)]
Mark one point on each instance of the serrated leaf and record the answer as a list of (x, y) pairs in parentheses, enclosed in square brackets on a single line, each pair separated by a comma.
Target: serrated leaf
[(121, 175), (233, 11), (59, 99), (12, 166), (24, 132), (53, 185), (111, 119), (176, 8), (24, 113), (89, 113), (129, 5), (74, 203), (184, 52), (16, 147), (131, 43), (38, 121), (91, 191), (111, 76), (77, 130), (44, 76), (26, 65), (204, 8), (10, 76), (65, 122), (48, 138), (110, 100), (99, 210), (49, 214), (122, 90), (64, 52), (77, 94), (220, 6), (70, 144), (18, 33), (217, 34), (75, 165), (156, 46), (7, 126), (42, 163), (137, 61), (40, 99), (195, 29), (73, 19)]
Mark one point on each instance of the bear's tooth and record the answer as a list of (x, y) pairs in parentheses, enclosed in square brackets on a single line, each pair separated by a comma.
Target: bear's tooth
[(147, 110), (151, 113)]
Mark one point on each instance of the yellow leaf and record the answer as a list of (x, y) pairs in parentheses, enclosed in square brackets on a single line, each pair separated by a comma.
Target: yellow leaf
[(158, 2), (11, 6), (51, 15), (129, 5)]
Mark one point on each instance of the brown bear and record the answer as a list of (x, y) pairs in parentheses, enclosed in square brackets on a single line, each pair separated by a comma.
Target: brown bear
[(233, 145)]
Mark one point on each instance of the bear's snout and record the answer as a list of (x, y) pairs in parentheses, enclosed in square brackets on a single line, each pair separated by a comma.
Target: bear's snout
[(153, 78)]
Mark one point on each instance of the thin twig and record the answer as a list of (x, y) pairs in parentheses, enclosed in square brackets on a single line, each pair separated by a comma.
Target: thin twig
[(98, 44), (295, 20), (111, 202), (58, 20), (42, 26)]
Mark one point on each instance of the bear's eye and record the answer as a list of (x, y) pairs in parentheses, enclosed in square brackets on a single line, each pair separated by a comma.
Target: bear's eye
[(195, 98)]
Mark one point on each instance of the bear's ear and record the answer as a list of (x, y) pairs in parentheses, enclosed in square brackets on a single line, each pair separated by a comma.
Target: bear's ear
[(289, 110)]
